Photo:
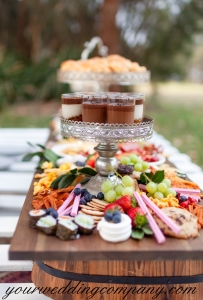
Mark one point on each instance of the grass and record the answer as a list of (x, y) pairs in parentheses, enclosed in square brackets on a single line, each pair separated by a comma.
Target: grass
[(177, 116), (182, 126)]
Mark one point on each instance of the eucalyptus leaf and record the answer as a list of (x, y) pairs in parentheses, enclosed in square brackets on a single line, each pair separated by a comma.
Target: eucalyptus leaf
[(147, 230), (143, 178), (41, 146), (30, 144), (29, 156), (54, 184), (137, 234), (66, 181), (158, 176), (88, 171), (74, 171), (51, 156), (84, 180)]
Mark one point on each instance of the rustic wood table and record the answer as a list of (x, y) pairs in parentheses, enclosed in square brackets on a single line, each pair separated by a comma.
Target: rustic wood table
[(90, 268)]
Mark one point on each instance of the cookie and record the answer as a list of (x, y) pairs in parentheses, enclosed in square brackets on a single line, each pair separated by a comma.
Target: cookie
[(188, 222), (97, 207)]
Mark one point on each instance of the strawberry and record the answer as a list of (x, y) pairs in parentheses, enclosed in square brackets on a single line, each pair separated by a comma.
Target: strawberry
[(137, 216), (113, 207), (125, 202)]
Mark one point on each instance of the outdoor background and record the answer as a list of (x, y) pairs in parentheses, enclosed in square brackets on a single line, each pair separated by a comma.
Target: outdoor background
[(166, 36)]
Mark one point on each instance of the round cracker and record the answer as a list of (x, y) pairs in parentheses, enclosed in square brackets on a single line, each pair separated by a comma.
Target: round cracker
[(92, 212), (101, 202), (87, 207), (95, 207)]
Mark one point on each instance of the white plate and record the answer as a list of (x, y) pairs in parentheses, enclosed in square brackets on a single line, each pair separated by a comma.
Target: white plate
[(58, 149), (161, 161)]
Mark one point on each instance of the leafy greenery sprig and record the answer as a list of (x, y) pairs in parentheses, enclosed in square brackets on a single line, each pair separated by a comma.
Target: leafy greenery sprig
[(65, 180), (44, 155), (158, 177)]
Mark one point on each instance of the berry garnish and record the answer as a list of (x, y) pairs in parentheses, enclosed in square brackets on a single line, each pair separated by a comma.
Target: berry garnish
[(77, 191), (83, 201), (100, 196), (116, 218), (83, 192), (88, 197), (80, 163), (52, 212), (108, 216)]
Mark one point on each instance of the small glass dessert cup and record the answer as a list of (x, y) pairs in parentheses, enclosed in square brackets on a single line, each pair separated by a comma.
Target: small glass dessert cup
[(120, 110), (139, 108), (94, 109), (71, 107)]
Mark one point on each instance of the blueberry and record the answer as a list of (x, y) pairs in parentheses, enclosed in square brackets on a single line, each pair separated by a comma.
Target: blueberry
[(77, 191), (94, 196), (88, 197), (100, 196), (80, 163), (116, 213), (116, 219), (83, 201), (182, 199), (52, 212), (108, 216), (83, 192)]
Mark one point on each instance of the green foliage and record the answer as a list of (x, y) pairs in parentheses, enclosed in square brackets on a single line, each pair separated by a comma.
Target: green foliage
[(160, 34), (22, 80)]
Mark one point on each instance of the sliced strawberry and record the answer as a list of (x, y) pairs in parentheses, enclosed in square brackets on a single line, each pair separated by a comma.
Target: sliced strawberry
[(113, 207), (137, 216)]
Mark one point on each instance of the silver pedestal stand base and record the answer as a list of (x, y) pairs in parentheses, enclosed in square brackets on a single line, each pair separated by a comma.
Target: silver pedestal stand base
[(107, 135)]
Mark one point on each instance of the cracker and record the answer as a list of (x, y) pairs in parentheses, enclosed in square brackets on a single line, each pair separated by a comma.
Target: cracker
[(100, 202), (97, 207), (92, 212), (86, 207)]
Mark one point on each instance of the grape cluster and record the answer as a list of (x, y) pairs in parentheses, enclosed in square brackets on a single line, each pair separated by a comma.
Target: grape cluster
[(160, 190), (138, 164), (111, 192)]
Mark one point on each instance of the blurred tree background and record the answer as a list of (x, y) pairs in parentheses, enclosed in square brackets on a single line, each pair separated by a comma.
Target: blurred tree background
[(36, 35), (166, 36)]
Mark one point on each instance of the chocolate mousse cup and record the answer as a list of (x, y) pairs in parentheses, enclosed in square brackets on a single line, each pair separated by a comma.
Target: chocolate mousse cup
[(94, 109), (120, 110), (72, 107)]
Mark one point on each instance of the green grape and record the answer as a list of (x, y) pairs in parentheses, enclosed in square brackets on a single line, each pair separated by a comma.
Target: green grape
[(167, 182), (158, 195), (138, 166), (150, 195), (134, 158), (110, 196), (145, 166), (151, 187), (118, 189), (106, 186), (127, 180), (125, 160), (170, 191), (127, 191), (162, 187)]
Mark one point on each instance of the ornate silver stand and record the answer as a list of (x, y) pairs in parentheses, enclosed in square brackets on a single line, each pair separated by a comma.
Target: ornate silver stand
[(107, 135)]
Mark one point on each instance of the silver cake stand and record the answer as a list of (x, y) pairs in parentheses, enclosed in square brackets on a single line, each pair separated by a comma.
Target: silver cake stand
[(107, 135)]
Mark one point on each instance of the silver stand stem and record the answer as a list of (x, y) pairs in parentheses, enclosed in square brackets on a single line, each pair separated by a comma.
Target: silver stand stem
[(106, 158)]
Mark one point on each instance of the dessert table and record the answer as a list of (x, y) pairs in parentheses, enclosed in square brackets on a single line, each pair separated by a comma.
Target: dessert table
[(89, 267)]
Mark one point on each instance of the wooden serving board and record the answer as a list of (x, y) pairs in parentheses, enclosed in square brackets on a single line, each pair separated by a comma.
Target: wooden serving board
[(30, 244)]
